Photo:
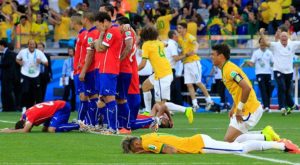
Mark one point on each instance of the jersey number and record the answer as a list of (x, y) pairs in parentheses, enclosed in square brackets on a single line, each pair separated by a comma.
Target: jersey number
[(161, 52), (160, 25), (41, 105)]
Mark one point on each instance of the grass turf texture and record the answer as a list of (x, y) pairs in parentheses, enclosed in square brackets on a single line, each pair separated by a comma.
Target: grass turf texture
[(75, 147)]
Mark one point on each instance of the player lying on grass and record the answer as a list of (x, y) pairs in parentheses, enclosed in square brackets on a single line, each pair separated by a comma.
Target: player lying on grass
[(199, 144), (54, 115)]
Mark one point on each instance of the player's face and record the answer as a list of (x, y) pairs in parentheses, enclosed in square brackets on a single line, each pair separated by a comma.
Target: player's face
[(179, 29), (31, 45), (71, 52), (214, 57), (99, 25), (40, 47), (284, 38)]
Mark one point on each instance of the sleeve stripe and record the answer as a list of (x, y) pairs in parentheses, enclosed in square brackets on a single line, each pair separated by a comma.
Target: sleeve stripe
[(145, 58), (162, 148), (106, 44)]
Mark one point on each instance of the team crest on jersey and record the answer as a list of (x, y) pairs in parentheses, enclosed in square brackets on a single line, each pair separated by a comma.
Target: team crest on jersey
[(109, 36), (90, 40), (152, 147), (128, 33)]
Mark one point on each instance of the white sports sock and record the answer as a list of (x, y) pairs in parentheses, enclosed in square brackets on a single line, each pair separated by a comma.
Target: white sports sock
[(194, 102), (247, 137), (254, 145), (147, 101), (254, 132), (208, 99), (175, 107)]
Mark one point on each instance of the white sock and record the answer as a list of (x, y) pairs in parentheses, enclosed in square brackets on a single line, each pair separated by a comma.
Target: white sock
[(254, 145), (254, 132), (175, 107), (247, 137), (194, 102), (208, 99), (147, 100)]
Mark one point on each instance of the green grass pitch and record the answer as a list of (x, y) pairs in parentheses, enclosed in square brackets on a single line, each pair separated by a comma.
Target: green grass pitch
[(85, 148)]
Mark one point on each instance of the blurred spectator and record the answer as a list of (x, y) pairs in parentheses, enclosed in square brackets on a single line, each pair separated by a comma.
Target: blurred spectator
[(163, 22), (30, 59), (62, 27), (68, 79), (63, 4), (23, 32), (285, 5), (5, 27), (8, 77), (35, 5), (39, 29), (7, 7), (215, 10), (265, 16), (275, 15), (294, 19), (253, 24), (45, 71), (185, 15), (262, 59), (148, 20), (296, 4)]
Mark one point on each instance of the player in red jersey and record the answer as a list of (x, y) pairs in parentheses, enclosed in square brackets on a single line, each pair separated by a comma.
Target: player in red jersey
[(109, 45), (54, 115), (76, 24), (125, 75), (87, 72)]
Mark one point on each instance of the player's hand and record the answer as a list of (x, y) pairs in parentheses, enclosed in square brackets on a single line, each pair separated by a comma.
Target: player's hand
[(126, 27), (81, 76), (4, 130), (261, 30), (239, 116), (171, 123), (38, 61)]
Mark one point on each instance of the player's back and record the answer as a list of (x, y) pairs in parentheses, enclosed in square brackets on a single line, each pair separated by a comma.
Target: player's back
[(163, 26), (41, 112), (155, 141), (155, 52), (78, 48), (232, 75), (126, 64)]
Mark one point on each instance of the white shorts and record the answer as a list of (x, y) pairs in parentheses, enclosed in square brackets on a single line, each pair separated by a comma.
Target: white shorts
[(192, 72), (249, 121), (219, 147), (162, 87)]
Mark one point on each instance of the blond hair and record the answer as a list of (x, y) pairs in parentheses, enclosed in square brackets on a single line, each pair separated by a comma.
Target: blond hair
[(127, 143)]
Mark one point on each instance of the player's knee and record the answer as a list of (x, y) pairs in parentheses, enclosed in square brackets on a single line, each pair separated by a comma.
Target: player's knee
[(189, 85), (51, 129)]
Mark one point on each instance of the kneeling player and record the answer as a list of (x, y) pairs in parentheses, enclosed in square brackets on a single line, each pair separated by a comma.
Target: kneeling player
[(199, 144), (54, 115)]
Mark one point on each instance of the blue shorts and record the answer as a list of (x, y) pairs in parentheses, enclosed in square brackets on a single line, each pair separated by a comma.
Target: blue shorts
[(123, 85), (89, 84), (97, 80), (108, 84), (78, 85), (60, 117)]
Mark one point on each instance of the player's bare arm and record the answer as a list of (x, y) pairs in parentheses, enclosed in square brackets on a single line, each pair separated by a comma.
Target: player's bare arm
[(264, 39), (88, 61), (245, 94), (142, 64), (168, 149), (27, 128), (99, 45), (127, 49)]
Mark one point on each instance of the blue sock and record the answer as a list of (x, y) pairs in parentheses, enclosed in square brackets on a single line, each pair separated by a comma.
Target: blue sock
[(112, 114), (67, 127), (121, 110), (124, 116), (82, 110), (134, 101), (141, 123), (92, 117)]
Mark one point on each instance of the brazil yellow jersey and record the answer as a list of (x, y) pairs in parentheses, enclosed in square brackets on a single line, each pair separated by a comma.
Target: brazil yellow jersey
[(163, 26), (265, 12), (37, 3), (4, 26), (232, 75), (63, 4), (154, 142), (286, 6), (192, 28), (133, 5), (154, 51), (24, 32), (7, 9), (275, 9), (187, 45), (42, 29), (62, 30)]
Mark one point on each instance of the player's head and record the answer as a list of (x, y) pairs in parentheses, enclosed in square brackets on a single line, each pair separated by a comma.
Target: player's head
[(20, 124), (107, 8), (220, 53), (131, 144), (88, 18), (103, 20), (122, 21), (262, 45), (149, 33), (181, 27), (173, 35), (71, 51), (284, 38), (162, 11), (76, 22), (23, 19), (165, 123), (31, 45), (41, 46)]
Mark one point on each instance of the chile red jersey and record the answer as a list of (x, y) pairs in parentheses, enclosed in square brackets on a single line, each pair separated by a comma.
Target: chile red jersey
[(41, 112), (90, 37), (78, 49), (134, 87), (110, 58), (125, 66)]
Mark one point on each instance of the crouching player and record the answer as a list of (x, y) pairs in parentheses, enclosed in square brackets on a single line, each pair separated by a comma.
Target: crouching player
[(54, 115), (199, 144)]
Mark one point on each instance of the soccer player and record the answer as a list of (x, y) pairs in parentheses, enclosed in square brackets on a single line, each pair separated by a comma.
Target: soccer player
[(110, 10), (162, 143), (76, 24), (109, 45), (192, 66), (125, 75), (87, 72), (54, 115), (246, 110), (163, 23)]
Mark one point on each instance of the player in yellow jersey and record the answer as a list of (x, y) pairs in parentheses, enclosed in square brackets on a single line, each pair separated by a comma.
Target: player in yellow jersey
[(154, 51), (163, 23), (192, 66), (246, 110), (161, 143)]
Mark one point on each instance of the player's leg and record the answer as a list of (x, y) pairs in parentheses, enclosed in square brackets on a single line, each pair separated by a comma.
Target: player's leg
[(90, 91), (189, 81), (146, 87), (134, 101), (267, 134), (188, 111), (83, 100)]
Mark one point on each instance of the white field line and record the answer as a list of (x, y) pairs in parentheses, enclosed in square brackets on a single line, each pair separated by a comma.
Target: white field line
[(123, 163), (267, 159), (4, 121)]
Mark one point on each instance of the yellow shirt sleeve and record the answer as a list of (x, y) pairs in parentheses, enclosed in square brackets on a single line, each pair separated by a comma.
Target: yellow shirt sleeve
[(145, 51)]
